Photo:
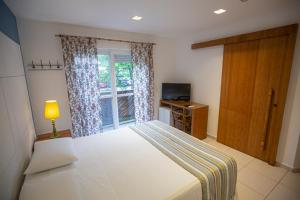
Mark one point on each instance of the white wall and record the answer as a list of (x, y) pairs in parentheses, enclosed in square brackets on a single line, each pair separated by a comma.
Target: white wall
[(203, 68), (290, 132), (38, 43), (297, 157)]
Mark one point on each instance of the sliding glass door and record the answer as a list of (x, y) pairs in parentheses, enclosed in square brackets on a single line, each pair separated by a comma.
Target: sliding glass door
[(117, 99)]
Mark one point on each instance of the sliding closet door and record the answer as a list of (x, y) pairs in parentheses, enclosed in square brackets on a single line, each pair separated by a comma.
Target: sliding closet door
[(254, 88), (268, 97), (238, 79)]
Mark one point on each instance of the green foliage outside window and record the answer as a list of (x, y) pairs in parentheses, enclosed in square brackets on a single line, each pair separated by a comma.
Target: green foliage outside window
[(104, 70), (124, 75), (123, 72)]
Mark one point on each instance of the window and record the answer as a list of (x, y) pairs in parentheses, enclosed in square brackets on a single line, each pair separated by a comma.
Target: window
[(116, 87)]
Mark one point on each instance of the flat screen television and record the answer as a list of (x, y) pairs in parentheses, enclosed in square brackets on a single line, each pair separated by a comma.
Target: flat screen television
[(176, 91)]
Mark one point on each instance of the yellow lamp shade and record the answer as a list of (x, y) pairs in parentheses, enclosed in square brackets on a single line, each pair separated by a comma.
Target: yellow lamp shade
[(51, 109)]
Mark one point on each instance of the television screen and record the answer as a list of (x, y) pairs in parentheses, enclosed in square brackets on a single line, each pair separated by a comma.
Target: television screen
[(176, 91)]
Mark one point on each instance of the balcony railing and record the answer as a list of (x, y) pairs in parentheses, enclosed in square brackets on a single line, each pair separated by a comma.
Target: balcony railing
[(125, 100)]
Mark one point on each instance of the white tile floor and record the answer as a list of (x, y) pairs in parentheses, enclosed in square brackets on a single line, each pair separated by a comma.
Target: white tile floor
[(257, 180)]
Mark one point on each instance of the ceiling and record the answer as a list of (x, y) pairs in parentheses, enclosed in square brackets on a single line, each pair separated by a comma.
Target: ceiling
[(160, 17)]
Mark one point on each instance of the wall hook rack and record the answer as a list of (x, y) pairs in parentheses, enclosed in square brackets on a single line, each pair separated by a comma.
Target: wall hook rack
[(42, 66)]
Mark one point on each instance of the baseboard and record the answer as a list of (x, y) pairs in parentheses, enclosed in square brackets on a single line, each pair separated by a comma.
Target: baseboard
[(284, 166), (296, 170), (291, 169), (211, 136)]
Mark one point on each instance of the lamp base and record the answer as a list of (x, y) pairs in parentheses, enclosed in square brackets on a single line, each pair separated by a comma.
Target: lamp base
[(55, 134)]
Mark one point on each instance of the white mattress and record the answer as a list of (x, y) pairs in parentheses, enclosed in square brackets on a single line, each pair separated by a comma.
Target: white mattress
[(116, 165)]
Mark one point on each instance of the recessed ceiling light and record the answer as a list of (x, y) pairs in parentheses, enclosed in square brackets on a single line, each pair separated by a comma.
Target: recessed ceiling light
[(136, 18), (220, 11)]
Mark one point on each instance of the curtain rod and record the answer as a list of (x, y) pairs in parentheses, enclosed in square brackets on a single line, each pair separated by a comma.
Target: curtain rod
[(107, 39)]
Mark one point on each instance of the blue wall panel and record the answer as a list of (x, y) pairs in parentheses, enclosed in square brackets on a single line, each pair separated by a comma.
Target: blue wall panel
[(8, 23)]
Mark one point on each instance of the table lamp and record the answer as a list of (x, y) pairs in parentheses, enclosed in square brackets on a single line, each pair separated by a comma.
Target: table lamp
[(52, 113)]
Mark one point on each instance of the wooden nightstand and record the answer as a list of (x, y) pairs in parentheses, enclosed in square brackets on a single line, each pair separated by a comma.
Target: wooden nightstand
[(46, 136)]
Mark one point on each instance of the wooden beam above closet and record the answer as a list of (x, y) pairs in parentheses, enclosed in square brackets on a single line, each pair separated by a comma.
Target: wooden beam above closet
[(274, 32)]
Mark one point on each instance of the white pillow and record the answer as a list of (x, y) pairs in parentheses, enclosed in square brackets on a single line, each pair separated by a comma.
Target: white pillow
[(50, 154)]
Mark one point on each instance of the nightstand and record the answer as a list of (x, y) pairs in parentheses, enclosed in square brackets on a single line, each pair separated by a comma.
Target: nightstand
[(46, 136)]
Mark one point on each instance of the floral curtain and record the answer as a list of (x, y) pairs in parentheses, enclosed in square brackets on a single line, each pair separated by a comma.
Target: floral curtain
[(83, 82), (143, 81)]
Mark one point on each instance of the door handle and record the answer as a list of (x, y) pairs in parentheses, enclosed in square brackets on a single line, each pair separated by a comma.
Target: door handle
[(268, 119)]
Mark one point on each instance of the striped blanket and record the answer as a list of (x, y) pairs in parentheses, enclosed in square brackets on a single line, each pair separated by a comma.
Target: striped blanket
[(216, 171)]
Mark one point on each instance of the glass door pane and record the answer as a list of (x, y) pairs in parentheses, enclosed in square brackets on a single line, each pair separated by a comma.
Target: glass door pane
[(104, 63), (124, 87), (116, 88)]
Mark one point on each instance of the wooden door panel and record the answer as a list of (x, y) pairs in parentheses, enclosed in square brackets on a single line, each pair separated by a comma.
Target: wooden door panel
[(282, 94), (270, 62), (255, 76), (238, 79), (252, 95), (235, 125), (239, 65)]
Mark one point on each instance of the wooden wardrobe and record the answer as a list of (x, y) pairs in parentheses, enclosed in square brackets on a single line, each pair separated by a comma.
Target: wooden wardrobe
[(255, 76)]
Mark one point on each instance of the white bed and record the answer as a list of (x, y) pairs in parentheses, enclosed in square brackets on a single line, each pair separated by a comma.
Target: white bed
[(116, 165)]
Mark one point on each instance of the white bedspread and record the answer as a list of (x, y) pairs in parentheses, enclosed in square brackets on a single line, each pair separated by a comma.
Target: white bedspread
[(116, 165)]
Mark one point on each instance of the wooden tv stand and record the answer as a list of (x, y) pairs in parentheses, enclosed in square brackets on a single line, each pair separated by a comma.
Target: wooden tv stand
[(189, 117)]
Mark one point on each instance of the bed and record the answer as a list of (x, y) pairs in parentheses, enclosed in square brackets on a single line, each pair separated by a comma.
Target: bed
[(147, 161)]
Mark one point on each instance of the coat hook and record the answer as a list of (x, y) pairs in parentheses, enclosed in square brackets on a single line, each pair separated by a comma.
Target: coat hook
[(49, 64), (42, 64), (33, 66)]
